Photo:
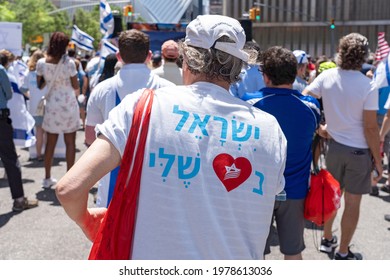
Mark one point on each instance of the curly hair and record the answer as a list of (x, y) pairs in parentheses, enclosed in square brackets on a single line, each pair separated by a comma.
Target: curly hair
[(353, 51), (58, 43), (280, 65), (212, 63), (32, 63), (133, 46)]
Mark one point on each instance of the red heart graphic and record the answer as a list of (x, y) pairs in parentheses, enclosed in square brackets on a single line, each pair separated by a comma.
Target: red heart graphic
[(231, 172)]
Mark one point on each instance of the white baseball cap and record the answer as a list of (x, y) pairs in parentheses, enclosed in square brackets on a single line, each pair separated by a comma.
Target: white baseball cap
[(301, 56), (205, 30)]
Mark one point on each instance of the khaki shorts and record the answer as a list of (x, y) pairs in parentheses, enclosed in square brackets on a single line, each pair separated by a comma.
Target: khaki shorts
[(290, 224), (350, 166)]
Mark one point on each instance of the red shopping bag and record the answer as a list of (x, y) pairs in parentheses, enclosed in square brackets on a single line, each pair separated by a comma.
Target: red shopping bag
[(323, 198), (114, 240)]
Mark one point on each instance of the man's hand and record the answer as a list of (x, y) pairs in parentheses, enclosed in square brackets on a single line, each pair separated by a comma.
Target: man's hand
[(323, 132), (92, 222)]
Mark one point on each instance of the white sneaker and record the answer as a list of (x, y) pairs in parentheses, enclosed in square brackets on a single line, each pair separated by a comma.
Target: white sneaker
[(48, 183)]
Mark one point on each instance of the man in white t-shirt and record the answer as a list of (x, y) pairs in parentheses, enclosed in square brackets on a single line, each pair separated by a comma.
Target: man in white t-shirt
[(134, 53), (350, 103), (212, 166)]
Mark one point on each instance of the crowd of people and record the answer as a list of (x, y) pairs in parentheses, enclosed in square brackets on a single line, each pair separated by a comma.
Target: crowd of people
[(230, 139)]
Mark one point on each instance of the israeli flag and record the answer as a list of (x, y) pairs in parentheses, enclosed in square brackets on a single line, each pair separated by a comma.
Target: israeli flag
[(106, 20), (81, 39), (22, 121), (20, 71), (107, 48)]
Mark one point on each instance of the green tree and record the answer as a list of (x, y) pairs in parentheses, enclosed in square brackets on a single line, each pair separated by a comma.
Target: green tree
[(6, 14), (34, 14), (89, 22)]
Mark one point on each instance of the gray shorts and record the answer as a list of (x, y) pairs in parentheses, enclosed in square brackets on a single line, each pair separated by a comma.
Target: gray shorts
[(38, 120), (290, 224), (350, 166)]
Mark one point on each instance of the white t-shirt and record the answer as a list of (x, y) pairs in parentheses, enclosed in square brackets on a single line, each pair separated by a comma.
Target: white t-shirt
[(129, 79), (212, 167), (345, 95), (380, 76), (171, 72)]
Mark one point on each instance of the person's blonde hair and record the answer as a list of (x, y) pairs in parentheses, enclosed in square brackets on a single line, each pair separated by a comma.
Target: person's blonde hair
[(32, 63)]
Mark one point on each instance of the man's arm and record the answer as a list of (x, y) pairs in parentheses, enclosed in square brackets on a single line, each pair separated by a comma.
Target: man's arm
[(307, 92), (371, 133), (73, 189)]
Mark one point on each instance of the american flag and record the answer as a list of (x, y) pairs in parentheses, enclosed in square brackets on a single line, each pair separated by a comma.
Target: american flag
[(383, 48)]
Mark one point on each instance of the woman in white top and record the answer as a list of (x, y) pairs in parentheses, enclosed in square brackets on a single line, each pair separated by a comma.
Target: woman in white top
[(61, 111)]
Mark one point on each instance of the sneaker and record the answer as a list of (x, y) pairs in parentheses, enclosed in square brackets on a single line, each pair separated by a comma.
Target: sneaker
[(350, 256), (25, 204), (327, 246), (48, 183), (385, 188), (374, 191)]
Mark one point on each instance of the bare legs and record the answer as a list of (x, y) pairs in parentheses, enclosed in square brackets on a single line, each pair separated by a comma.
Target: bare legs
[(39, 133), (349, 221), (51, 141), (70, 145)]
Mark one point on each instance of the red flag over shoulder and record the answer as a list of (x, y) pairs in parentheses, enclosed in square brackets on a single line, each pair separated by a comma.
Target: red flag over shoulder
[(114, 240)]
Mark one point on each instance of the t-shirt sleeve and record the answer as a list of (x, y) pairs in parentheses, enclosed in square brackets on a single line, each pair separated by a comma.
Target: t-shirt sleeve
[(94, 113), (372, 101), (283, 157), (117, 127), (72, 68)]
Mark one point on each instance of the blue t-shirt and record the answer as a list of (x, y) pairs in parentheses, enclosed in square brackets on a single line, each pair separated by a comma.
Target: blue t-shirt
[(298, 116), (250, 80)]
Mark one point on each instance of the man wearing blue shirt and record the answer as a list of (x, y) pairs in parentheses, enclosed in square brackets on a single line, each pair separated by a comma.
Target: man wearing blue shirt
[(7, 147), (250, 78), (298, 116)]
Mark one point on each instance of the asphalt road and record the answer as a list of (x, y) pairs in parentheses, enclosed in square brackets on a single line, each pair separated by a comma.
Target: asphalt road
[(46, 233)]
